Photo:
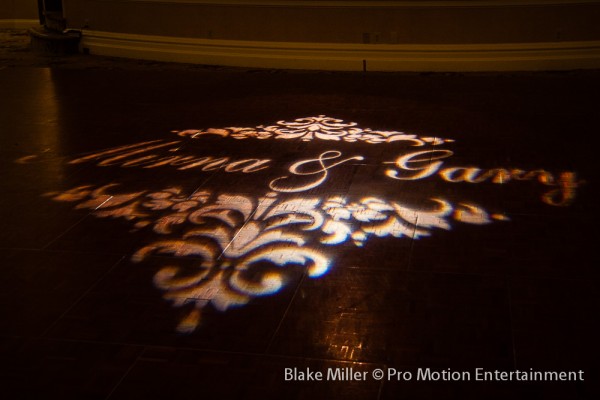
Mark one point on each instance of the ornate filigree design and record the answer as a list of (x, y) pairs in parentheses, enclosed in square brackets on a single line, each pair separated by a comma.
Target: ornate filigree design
[(320, 127), (234, 237), (245, 246)]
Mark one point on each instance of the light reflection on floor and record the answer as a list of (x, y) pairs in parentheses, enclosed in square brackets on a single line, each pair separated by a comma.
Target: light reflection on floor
[(230, 233)]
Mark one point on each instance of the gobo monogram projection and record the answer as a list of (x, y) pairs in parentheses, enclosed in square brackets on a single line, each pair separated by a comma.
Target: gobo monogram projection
[(244, 244)]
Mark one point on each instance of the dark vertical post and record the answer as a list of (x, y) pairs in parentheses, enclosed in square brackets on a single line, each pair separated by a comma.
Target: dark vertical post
[(41, 12)]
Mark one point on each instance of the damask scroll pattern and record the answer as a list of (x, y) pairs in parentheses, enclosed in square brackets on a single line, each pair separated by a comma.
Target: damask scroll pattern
[(319, 127), (244, 245)]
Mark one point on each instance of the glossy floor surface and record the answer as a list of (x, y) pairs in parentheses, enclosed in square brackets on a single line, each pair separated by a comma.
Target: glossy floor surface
[(196, 233)]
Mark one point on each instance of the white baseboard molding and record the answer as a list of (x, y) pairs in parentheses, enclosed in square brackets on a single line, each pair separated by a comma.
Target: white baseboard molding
[(18, 23), (372, 3), (348, 57)]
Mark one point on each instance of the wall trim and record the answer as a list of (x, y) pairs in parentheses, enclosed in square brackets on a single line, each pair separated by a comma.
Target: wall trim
[(369, 3), (18, 23), (348, 57)]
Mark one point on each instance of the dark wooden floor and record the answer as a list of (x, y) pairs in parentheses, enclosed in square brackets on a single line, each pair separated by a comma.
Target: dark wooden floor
[(151, 248)]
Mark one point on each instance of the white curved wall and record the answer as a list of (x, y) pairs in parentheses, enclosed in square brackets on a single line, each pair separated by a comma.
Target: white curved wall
[(387, 35)]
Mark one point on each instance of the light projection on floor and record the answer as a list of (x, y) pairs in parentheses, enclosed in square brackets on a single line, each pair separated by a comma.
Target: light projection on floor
[(320, 127), (245, 245), (231, 233)]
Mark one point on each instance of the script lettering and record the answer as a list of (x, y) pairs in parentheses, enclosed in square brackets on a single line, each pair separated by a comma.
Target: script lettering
[(321, 172), (420, 161)]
